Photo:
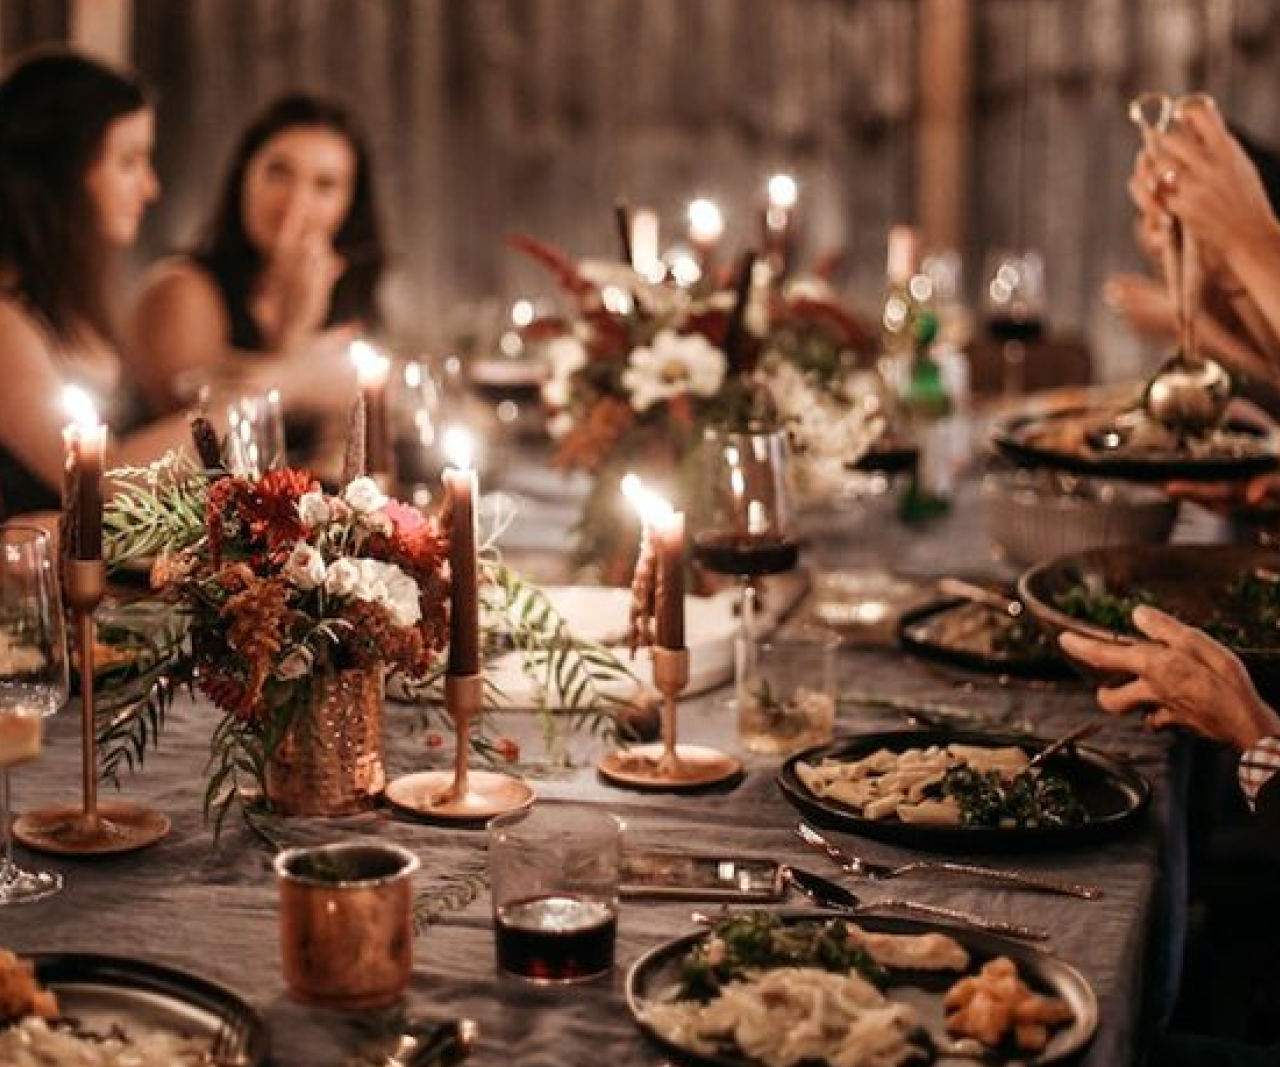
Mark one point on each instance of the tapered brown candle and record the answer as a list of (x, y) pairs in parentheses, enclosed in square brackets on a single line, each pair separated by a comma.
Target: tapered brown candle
[(461, 488), (84, 448), (668, 536), (372, 373)]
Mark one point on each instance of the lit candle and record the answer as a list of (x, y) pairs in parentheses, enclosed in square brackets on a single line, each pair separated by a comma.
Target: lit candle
[(782, 194), (462, 488), (706, 227), (664, 531), (84, 447), (644, 244), (372, 371)]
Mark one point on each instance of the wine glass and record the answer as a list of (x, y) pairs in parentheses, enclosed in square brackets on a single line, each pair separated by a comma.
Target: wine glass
[(33, 681), (747, 531), (1013, 302), (255, 435)]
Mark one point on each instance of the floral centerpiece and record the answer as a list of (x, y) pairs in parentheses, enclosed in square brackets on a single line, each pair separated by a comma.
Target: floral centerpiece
[(638, 369), (297, 603)]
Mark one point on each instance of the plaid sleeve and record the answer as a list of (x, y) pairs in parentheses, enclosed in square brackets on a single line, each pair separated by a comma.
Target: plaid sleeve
[(1257, 766)]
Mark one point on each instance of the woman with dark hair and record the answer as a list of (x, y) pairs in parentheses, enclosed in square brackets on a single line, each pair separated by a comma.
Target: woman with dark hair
[(288, 268), (75, 178)]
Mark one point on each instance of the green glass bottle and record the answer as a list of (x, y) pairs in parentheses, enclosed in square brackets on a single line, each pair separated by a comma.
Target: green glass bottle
[(925, 405)]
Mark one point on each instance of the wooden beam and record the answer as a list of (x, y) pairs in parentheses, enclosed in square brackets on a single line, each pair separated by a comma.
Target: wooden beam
[(103, 28), (944, 133)]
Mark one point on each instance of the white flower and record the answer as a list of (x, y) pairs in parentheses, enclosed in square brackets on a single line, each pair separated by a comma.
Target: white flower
[(673, 365), (343, 578), (313, 508), (386, 584), (555, 392), (559, 426), (305, 567), (566, 355), (364, 496)]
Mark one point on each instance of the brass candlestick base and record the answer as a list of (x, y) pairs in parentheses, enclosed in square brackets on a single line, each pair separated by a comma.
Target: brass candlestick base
[(460, 795), (669, 766), (91, 829)]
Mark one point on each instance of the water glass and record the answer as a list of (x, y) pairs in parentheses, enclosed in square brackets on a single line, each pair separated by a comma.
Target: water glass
[(33, 681), (1013, 302), (255, 435), (788, 701), (554, 874)]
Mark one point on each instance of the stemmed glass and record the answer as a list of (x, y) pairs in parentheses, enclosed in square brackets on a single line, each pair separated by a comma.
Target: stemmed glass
[(1013, 302), (33, 679), (747, 530)]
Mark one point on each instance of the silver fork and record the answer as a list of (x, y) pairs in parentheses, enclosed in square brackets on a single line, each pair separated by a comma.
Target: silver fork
[(227, 1048), (861, 868)]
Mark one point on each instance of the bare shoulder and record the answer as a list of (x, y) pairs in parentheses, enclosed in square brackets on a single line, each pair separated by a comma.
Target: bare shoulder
[(23, 341), (179, 284)]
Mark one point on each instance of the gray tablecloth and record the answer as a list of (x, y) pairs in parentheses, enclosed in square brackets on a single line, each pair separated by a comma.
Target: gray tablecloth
[(212, 907)]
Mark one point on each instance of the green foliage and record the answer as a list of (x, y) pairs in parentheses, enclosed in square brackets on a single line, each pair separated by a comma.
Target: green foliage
[(157, 509)]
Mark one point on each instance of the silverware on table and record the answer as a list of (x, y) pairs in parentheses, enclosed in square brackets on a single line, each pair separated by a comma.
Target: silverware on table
[(1080, 733), (980, 594), (874, 872), (434, 1044), (828, 894)]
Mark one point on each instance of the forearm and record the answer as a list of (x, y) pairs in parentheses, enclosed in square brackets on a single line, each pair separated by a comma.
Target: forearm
[(1256, 262)]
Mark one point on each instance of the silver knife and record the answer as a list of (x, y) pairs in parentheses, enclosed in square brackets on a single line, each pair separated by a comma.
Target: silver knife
[(828, 894)]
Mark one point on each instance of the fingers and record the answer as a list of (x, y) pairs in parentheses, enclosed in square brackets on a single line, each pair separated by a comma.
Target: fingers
[(1105, 655), (1159, 626), (1118, 699)]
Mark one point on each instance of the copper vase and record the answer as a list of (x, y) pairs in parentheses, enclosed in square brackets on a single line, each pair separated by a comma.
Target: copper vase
[(329, 762)]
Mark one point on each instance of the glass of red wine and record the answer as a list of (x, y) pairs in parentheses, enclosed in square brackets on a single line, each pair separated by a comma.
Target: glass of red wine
[(747, 531), (554, 877), (1013, 302)]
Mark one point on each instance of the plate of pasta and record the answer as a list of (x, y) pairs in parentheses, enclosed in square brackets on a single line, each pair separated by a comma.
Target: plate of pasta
[(955, 791), (763, 989)]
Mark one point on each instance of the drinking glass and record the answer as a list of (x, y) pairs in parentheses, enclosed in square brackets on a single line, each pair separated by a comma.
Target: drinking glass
[(255, 435), (554, 876), (748, 529), (790, 701), (1013, 302), (33, 681)]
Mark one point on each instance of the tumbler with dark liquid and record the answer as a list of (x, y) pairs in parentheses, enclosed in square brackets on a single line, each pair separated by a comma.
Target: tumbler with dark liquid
[(746, 555), (554, 875)]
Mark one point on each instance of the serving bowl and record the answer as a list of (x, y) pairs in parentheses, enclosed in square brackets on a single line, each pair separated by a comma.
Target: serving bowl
[(1190, 582), (1035, 516)]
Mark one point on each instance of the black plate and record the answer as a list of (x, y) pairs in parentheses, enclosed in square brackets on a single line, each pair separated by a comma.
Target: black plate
[(104, 991), (1011, 437), (1113, 794), (658, 971), (914, 635)]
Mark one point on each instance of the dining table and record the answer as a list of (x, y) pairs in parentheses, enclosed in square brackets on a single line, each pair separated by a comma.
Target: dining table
[(208, 902)]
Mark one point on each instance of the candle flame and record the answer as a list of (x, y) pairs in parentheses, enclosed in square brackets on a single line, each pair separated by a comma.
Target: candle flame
[(79, 405), (370, 364), (783, 191), (706, 222), (457, 447), (653, 509)]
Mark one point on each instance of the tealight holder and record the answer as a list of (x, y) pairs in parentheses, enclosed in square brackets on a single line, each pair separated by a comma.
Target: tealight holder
[(668, 765), (93, 828), (463, 794)]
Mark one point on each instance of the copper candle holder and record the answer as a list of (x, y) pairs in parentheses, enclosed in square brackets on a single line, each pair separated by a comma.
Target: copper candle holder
[(669, 765), (460, 795), (94, 828)]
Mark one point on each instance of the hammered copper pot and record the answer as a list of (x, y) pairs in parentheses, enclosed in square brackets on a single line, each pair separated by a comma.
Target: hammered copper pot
[(346, 923), (329, 762)]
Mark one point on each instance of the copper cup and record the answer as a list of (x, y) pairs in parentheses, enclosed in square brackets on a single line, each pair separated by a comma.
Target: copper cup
[(346, 923)]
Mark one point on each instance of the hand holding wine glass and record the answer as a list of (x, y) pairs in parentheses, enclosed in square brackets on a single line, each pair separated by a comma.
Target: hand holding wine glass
[(1013, 302), (33, 681)]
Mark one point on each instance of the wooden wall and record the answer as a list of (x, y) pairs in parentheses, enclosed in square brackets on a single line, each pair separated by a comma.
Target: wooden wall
[(492, 116)]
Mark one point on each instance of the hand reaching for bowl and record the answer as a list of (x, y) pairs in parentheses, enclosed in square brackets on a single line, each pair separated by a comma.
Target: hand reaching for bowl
[(1180, 677), (1257, 495)]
